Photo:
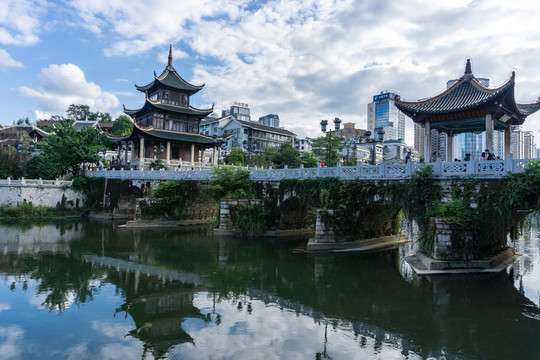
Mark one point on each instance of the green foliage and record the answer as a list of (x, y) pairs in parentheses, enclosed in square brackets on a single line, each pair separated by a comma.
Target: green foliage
[(158, 164), (249, 218), (122, 126), (93, 188), (170, 198), (23, 121), (309, 160), (236, 156), (230, 183), (26, 211), (64, 151), (287, 155), (321, 145)]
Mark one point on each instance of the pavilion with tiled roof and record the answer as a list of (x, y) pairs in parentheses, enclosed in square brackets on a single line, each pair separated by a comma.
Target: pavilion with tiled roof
[(468, 106), (166, 127)]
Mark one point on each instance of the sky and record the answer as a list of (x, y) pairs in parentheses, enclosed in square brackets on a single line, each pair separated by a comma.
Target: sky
[(305, 60)]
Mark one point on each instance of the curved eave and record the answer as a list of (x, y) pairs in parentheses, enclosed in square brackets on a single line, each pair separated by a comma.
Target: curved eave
[(528, 109), (447, 101), (170, 108), (169, 135), (115, 139)]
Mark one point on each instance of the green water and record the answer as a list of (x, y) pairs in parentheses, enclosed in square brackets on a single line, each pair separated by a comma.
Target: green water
[(91, 291)]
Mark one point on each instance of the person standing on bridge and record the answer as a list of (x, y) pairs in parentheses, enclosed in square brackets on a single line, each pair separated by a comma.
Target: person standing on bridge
[(408, 158)]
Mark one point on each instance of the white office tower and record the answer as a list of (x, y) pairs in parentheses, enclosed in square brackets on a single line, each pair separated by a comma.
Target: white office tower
[(517, 142), (383, 115), (528, 145), (269, 120)]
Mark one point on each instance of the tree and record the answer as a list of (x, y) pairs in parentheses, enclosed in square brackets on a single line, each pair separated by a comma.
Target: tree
[(78, 111), (320, 148), (287, 155), (23, 121), (122, 126), (236, 157), (102, 116), (67, 149), (309, 160)]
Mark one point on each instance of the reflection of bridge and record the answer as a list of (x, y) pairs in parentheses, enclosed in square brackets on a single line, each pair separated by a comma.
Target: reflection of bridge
[(138, 268), (478, 169)]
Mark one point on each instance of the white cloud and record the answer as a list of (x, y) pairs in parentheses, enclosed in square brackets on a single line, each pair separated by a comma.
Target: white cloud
[(143, 25), (315, 59), (20, 21), (62, 85), (4, 307), (6, 61), (10, 342)]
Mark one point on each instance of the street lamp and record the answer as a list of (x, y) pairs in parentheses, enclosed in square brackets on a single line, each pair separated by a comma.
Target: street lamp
[(25, 152), (324, 123), (380, 132), (218, 143)]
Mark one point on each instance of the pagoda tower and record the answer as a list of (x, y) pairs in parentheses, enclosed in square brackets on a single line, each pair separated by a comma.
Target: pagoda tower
[(166, 127)]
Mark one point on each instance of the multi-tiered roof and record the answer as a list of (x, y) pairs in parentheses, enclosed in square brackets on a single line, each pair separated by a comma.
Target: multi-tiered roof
[(464, 105)]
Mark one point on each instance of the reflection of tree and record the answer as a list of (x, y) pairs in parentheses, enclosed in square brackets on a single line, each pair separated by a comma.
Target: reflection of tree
[(60, 276)]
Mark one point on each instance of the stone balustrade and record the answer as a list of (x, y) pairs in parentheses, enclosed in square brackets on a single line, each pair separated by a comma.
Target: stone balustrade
[(478, 169)]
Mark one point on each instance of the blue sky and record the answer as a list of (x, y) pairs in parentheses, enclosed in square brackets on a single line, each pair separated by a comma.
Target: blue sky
[(305, 60)]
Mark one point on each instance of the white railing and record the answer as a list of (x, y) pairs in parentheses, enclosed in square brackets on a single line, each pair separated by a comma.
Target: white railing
[(35, 182), (477, 169)]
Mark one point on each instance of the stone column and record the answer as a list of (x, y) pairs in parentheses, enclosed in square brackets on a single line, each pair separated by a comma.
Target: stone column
[(192, 154), (450, 147), (214, 158), (141, 154), (507, 141), (427, 142), (489, 132), (168, 152)]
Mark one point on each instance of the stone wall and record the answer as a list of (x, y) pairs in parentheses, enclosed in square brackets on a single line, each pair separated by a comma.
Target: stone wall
[(225, 212), (444, 237), (39, 195)]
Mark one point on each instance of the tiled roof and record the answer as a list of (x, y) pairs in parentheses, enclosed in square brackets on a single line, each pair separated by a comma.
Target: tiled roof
[(465, 94), (161, 134), (170, 108), (170, 78), (266, 128)]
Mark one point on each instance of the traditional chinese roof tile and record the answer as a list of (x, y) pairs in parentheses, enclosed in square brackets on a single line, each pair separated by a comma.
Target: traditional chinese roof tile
[(170, 78), (175, 136), (261, 127), (151, 105), (469, 99)]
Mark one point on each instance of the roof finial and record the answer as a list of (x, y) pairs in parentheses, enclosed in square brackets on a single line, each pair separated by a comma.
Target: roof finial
[(170, 57), (468, 69)]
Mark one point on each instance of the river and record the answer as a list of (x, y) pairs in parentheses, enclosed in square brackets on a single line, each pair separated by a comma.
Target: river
[(91, 291)]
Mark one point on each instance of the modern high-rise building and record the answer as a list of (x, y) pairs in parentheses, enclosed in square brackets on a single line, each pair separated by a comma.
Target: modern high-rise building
[(528, 145), (517, 142), (383, 115), (239, 111), (269, 120)]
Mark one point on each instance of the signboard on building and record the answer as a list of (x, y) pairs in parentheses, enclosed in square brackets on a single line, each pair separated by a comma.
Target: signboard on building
[(384, 96)]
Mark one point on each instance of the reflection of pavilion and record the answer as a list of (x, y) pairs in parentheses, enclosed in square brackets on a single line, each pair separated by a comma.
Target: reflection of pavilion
[(157, 299), (468, 106)]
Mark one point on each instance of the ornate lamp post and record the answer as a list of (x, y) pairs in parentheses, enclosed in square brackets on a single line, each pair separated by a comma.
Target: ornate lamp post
[(25, 151), (218, 143), (380, 132), (324, 123)]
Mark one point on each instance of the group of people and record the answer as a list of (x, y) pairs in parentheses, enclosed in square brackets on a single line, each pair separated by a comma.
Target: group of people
[(486, 155)]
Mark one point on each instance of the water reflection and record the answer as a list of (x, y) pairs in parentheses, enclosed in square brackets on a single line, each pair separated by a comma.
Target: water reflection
[(184, 294)]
